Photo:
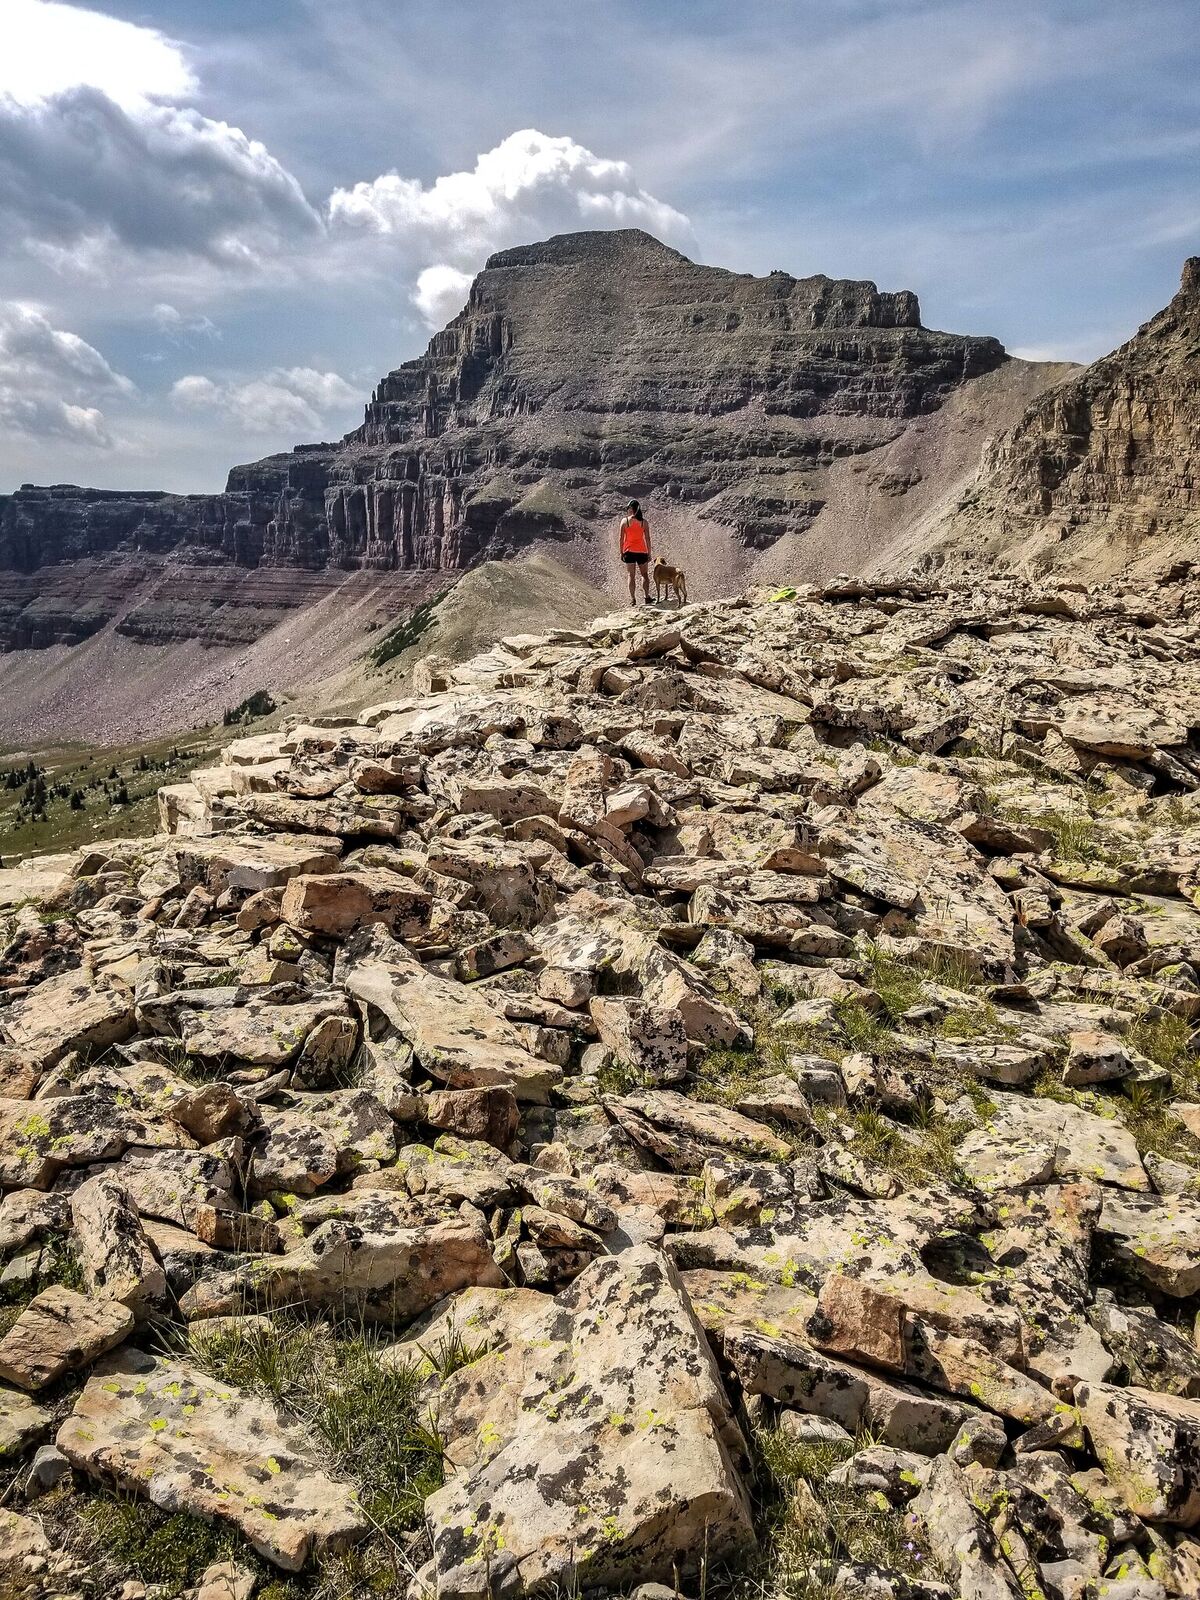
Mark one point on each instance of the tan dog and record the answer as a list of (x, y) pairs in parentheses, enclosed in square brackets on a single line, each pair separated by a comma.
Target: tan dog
[(669, 578)]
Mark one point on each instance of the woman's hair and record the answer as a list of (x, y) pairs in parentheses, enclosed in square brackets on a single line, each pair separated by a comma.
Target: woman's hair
[(635, 507)]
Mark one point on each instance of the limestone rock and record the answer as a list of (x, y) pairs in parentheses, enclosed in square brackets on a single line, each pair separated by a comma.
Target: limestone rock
[(961, 1539), (384, 1272), (456, 1036), (22, 1422), (650, 1040), (1157, 1237), (337, 902), (114, 1254), (160, 1428), (60, 1331), (594, 1437), (1149, 1447), (65, 1013)]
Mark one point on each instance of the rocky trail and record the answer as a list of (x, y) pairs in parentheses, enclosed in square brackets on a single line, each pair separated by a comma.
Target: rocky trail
[(706, 1102)]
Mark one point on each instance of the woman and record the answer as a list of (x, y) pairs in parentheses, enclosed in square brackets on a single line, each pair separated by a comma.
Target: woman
[(635, 550)]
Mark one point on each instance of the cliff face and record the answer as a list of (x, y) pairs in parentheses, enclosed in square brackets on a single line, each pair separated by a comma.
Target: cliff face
[(596, 366), (1103, 472), (581, 371)]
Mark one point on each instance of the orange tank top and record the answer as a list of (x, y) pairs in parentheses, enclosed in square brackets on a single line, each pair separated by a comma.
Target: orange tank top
[(633, 538)]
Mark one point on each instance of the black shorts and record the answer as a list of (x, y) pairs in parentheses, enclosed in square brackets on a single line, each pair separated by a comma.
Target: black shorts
[(634, 558)]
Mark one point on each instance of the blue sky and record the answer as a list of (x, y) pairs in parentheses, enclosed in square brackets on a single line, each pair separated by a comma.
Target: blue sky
[(222, 220)]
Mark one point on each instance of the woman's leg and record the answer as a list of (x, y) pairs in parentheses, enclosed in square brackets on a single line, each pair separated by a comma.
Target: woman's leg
[(631, 569)]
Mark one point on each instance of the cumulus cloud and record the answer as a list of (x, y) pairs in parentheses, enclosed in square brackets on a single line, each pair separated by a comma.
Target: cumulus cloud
[(49, 378), (440, 292), (529, 185), (78, 170), (176, 324), (50, 47), (112, 182), (286, 398)]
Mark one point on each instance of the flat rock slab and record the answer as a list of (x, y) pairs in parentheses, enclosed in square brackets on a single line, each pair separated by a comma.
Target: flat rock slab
[(229, 862), (1156, 1237), (456, 1035), (38, 1138), (60, 1331), (33, 879), (592, 1444), (65, 1013), (1029, 1141), (261, 1035), (380, 1271), (172, 1184), (162, 1429)]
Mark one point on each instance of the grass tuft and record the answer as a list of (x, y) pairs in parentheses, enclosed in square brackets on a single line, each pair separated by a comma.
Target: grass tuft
[(371, 1416), (806, 1524)]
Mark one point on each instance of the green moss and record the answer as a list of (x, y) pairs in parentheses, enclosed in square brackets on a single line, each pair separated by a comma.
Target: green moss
[(723, 1077), (168, 1548)]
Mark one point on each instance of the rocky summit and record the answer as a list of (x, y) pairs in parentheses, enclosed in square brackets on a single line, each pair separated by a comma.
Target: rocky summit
[(709, 1099), (582, 370), (776, 427)]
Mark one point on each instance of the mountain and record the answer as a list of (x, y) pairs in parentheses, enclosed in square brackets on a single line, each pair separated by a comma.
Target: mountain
[(581, 371), (777, 427), (1102, 473)]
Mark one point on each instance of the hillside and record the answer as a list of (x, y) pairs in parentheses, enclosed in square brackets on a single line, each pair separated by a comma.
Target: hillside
[(707, 1099), (1102, 474), (777, 429)]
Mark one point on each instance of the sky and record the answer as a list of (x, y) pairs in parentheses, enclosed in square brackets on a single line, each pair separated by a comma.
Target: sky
[(221, 221)]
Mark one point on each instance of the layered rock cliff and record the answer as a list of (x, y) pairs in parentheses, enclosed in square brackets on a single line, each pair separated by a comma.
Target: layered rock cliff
[(1103, 472), (581, 371), (595, 366)]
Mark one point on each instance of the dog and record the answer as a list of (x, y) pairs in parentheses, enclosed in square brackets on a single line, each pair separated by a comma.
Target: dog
[(669, 579)]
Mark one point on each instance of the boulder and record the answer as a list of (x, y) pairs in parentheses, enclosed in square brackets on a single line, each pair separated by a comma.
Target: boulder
[(1156, 1238), (335, 903), (1149, 1447), (648, 1039), (66, 1013), (114, 1253), (60, 1331), (455, 1034), (162, 1429), (380, 1270), (593, 1439)]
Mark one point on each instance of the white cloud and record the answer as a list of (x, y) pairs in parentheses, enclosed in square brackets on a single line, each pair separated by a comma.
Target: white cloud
[(48, 376), (440, 293), (284, 399), (94, 186), (524, 187), (50, 48), (527, 187), (176, 324)]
